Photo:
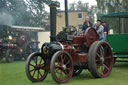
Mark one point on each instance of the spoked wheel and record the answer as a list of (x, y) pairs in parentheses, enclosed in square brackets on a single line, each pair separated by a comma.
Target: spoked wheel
[(61, 67), (9, 56), (18, 57), (77, 70), (100, 59), (1, 58), (36, 68), (27, 49)]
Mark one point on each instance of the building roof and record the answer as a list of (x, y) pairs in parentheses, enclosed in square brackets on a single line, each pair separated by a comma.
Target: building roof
[(117, 14)]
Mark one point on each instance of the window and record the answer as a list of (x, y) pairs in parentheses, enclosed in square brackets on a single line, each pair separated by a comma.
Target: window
[(79, 15)]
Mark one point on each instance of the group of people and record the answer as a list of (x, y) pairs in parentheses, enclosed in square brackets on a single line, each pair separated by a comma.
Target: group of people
[(101, 27)]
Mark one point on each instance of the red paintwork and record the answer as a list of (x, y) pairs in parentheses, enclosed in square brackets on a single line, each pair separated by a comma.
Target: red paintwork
[(78, 40), (80, 58), (22, 39), (75, 58), (83, 57), (88, 37), (68, 48), (14, 40), (18, 50)]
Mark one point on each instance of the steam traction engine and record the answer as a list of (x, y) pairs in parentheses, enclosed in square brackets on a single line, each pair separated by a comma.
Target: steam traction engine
[(16, 43), (70, 55)]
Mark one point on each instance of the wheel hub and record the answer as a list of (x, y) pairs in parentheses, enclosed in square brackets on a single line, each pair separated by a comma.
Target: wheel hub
[(64, 67), (10, 55), (37, 67), (102, 59)]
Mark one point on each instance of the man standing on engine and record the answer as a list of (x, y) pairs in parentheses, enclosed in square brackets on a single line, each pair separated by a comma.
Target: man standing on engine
[(100, 30), (86, 24)]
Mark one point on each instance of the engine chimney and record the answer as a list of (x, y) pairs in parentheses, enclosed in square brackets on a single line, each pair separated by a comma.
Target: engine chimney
[(66, 13), (53, 21)]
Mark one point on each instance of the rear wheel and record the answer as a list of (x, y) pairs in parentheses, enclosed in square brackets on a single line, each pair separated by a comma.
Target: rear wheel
[(1, 55), (18, 57), (29, 47), (1, 58), (36, 68), (61, 67), (9, 56), (100, 59)]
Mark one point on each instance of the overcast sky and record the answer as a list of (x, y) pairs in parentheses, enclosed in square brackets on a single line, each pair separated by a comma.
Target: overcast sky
[(91, 2)]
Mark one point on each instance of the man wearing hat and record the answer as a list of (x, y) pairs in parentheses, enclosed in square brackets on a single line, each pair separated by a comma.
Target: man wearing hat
[(100, 30)]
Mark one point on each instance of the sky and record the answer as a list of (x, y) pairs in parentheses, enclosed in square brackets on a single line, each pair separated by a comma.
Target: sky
[(91, 2)]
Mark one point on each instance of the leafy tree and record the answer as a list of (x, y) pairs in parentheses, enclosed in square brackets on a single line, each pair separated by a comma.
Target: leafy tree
[(72, 6), (16, 10), (24, 12), (110, 6), (37, 9)]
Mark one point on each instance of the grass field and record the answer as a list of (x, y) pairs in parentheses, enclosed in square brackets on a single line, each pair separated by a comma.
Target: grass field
[(14, 74)]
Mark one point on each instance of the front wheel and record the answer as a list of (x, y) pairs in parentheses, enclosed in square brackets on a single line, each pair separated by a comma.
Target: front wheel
[(100, 59), (36, 68), (10, 55), (61, 67)]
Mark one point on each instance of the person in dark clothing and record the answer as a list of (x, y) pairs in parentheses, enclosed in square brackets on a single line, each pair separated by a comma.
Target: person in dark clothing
[(86, 24), (106, 29)]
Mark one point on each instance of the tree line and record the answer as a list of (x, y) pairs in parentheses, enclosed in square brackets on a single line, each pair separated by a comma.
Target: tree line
[(112, 6), (33, 13), (24, 12)]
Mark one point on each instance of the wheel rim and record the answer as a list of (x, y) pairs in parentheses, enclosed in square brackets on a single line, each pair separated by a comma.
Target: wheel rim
[(10, 56), (1, 58), (29, 49), (63, 67), (104, 60), (36, 68)]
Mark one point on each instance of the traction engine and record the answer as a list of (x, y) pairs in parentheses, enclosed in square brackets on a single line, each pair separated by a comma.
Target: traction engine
[(67, 56)]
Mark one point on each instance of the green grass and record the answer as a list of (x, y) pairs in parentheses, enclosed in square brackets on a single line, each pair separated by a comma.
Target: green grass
[(14, 74)]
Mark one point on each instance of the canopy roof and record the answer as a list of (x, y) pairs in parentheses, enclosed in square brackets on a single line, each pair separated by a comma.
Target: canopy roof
[(117, 14), (27, 29)]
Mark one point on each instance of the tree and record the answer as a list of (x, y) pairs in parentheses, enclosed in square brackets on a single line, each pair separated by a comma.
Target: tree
[(72, 6), (24, 12), (110, 6), (14, 12), (92, 12), (37, 9)]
